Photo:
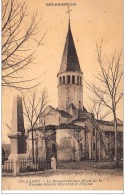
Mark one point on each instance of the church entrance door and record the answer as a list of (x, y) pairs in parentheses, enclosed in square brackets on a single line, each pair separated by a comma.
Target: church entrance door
[(54, 150)]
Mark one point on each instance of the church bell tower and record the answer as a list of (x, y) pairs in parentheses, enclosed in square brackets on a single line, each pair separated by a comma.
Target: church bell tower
[(70, 88)]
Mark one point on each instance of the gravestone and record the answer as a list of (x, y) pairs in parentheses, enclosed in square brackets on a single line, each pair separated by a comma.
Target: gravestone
[(17, 136)]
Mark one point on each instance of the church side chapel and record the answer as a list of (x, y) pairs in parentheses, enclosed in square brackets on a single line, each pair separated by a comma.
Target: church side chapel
[(67, 132)]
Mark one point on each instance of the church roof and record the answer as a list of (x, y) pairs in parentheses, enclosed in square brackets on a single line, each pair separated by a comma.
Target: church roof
[(70, 60), (109, 123), (69, 126), (47, 127), (79, 120), (84, 109), (64, 114), (72, 106), (50, 109), (109, 127)]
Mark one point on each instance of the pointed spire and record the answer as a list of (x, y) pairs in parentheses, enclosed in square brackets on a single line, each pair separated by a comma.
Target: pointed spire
[(70, 60), (69, 22)]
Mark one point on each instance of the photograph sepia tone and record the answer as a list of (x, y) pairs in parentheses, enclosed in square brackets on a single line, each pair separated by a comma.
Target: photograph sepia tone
[(62, 95)]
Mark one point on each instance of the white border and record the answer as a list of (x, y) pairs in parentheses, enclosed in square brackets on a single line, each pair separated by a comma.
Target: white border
[(56, 191)]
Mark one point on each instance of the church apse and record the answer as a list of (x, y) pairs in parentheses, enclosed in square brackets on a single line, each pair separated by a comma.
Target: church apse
[(68, 147)]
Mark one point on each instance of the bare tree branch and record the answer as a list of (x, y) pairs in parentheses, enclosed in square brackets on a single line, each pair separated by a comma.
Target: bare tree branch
[(33, 107), (16, 52), (106, 91)]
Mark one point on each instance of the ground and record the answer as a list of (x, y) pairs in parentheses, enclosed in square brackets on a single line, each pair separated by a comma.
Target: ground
[(86, 175)]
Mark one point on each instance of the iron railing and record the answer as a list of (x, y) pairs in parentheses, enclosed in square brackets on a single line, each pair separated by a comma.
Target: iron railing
[(26, 165), (7, 166)]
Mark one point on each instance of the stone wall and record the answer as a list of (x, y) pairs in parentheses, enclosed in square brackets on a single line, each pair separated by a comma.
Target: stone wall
[(67, 145)]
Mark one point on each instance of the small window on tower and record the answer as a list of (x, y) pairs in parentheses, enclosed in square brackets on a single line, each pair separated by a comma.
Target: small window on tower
[(73, 79), (68, 79), (81, 147), (79, 104), (80, 81), (93, 146), (60, 80), (63, 80), (77, 80)]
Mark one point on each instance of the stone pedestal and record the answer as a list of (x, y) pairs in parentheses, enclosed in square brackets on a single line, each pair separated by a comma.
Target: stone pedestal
[(14, 141), (15, 167)]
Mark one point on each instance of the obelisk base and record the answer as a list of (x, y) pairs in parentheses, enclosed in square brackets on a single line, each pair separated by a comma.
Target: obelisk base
[(15, 155)]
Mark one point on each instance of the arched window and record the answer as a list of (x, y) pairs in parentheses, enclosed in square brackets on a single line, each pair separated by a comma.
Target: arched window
[(93, 146), (80, 81), (73, 79), (79, 104), (60, 80), (63, 80), (68, 79), (77, 80)]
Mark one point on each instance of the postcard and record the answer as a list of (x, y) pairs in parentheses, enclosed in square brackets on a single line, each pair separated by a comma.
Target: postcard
[(62, 95)]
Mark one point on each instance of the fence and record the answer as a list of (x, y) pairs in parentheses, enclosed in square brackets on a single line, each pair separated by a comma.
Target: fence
[(8, 166), (26, 165)]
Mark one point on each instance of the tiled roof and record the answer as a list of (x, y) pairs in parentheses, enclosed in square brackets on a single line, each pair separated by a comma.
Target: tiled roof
[(69, 126), (79, 120), (108, 123), (63, 113), (47, 127), (110, 128)]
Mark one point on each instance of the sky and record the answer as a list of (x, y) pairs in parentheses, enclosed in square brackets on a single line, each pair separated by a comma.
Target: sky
[(91, 21)]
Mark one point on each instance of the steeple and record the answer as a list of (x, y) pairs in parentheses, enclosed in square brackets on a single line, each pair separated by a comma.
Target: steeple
[(70, 60), (70, 88)]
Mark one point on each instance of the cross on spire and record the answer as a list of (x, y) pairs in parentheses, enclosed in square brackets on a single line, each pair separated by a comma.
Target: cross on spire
[(68, 12)]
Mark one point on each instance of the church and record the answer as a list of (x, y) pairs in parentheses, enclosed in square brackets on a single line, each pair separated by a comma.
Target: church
[(67, 132)]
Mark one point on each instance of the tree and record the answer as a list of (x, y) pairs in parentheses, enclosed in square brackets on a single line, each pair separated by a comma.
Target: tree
[(108, 88), (33, 107), (78, 135), (98, 111), (46, 135), (17, 54)]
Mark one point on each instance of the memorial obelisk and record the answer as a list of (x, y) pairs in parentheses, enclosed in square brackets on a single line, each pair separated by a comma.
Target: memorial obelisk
[(17, 136)]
